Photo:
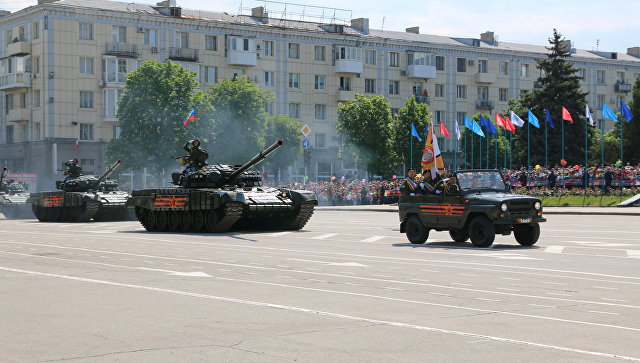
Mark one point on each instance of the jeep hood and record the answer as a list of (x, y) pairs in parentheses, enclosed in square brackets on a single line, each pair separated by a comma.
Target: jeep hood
[(493, 197)]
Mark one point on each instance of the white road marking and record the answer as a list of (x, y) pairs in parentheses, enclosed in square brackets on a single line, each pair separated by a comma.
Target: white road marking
[(633, 253), (177, 273), (603, 312), (605, 288), (542, 306), (616, 300), (373, 238), (325, 236), (278, 234), (485, 299), (553, 283), (460, 284), (346, 264), (599, 244), (557, 294), (472, 275), (394, 288), (506, 289), (554, 249), (510, 278)]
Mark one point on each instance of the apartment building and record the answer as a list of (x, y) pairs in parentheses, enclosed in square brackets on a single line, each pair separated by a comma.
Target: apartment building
[(64, 63)]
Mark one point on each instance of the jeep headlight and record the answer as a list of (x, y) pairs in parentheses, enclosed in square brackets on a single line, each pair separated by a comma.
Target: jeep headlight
[(504, 207), (537, 205)]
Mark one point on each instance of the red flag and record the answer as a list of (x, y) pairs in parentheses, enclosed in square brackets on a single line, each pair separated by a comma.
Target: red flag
[(77, 143), (500, 121), (510, 126), (443, 130), (566, 116)]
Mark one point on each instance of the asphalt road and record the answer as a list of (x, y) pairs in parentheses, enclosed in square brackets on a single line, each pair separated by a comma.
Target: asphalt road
[(348, 288)]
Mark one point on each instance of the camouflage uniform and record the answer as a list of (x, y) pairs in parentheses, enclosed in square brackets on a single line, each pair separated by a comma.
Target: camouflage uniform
[(197, 155), (73, 169)]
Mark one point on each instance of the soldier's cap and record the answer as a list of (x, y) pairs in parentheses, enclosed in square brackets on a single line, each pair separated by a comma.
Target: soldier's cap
[(74, 160), (408, 170)]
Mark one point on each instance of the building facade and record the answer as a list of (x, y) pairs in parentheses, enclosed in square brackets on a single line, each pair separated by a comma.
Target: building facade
[(64, 64)]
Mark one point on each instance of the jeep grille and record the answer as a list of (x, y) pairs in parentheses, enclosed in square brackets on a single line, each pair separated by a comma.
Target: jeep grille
[(520, 208)]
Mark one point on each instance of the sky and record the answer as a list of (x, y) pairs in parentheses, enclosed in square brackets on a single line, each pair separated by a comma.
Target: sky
[(590, 25)]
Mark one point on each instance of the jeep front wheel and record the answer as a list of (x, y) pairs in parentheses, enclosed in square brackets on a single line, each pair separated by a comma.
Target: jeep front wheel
[(527, 235), (416, 231), (482, 232), (459, 235)]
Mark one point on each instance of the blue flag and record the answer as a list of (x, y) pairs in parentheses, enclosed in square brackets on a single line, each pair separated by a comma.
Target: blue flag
[(548, 116), (626, 112), (483, 122), (476, 128), (467, 123), (608, 113), (414, 132), (533, 119), (488, 125)]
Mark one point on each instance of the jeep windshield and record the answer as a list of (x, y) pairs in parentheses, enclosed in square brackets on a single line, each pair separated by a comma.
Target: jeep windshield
[(481, 181)]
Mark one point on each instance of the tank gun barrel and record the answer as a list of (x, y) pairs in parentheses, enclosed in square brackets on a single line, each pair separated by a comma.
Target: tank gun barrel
[(107, 173), (4, 173), (256, 159)]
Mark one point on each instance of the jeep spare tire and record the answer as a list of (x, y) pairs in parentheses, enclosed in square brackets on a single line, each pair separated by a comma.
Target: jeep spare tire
[(481, 231), (416, 232)]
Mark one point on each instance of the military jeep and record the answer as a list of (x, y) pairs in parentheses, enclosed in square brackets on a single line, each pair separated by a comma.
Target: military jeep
[(474, 204)]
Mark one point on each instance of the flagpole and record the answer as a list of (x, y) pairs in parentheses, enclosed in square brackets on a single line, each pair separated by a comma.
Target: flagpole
[(480, 152), (511, 151), (410, 150), (602, 137), (487, 150), (586, 147), (472, 163), (546, 146), (562, 153), (621, 158), (528, 149), (455, 151)]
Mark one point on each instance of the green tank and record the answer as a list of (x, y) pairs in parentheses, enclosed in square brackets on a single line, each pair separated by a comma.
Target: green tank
[(82, 199), (13, 198), (220, 197)]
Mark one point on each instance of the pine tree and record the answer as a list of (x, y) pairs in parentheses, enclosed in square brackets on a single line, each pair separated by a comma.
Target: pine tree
[(560, 87)]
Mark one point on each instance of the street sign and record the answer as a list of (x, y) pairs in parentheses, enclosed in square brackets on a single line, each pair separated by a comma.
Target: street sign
[(305, 144), (305, 130)]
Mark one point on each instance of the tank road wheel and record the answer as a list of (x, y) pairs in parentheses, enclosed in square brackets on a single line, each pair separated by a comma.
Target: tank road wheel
[(174, 221), (459, 235), (210, 220), (148, 220), (185, 221), (162, 220), (482, 232), (198, 220), (416, 232), (527, 235)]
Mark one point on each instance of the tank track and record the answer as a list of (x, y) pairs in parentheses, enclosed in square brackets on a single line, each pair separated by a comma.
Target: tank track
[(89, 212), (232, 213), (301, 219)]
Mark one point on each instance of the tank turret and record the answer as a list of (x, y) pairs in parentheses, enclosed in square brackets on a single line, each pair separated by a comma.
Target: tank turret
[(85, 183), (221, 175)]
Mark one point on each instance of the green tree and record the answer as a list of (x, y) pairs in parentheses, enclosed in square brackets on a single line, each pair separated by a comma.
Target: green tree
[(631, 131), (560, 87), (364, 127), (480, 148), (241, 120), (412, 113), (611, 147), (157, 98), (288, 130)]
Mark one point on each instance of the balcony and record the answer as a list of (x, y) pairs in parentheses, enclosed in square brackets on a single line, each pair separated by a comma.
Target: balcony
[(421, 71), (349, 66), (422, 99), (121, 49), (113, 77), (14, 80), (484, 105), (344, 95), (18, 48), (623, 87), (242, 58), (18, 114), (183, 54), (486, 77)]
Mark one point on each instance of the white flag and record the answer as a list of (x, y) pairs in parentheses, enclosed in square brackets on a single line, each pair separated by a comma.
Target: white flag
[(516, 120), (458, 135), (588, 115)]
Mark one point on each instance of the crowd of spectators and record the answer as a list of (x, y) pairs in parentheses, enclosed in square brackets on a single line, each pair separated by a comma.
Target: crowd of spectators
[(595, 180)]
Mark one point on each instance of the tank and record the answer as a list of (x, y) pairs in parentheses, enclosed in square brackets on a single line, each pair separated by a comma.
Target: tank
[(13, 198), (219, 197), (82, 199)]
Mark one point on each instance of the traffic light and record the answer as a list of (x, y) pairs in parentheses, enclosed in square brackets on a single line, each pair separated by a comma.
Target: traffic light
[(307, 157)]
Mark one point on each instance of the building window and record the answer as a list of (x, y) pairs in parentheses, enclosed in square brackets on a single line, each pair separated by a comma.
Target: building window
[(439, 63), (86, 132), (524, 70), (119, 34), (86, 99), (319, 52), (503, 95), (211, 42), (294, 50), (319, 83), (394, 59), (8, 102), (268, 79), (267, 48), (504, 68), (438, 116), (620, 77), (345, 83), (600, 77), (182, 40), (36, 132), (9, 134), (36, 64), (460, 116), (122, 65), (320, 112), (23, 100), (419, 59), (348, 53), (151, 36), (601, 101), (523, 91), (483, 93), (36, 98), (369, 85), (461, 91), (461, 65), (210, 74), (320, 141), (86, 31), (394, 111), (268, 108), (582, 73), (112, 96), (86, 65), (36, 30), (636, 75), (294, 110), (542, 73), (370, 57), (439, 90), (22, 33), (294, 80), (394, 87), (482, 66)]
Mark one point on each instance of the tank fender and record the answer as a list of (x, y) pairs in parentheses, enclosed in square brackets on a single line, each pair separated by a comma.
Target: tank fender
[(301, 196), (91, 197)]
